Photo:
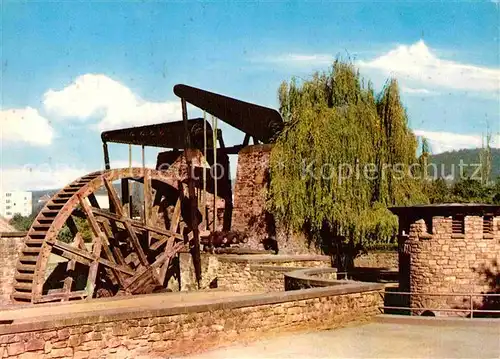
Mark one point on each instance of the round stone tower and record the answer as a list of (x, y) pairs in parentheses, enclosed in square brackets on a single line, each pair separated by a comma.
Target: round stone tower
[(451, 249)]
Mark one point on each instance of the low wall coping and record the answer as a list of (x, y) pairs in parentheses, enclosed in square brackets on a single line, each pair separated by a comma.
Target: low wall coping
[(121, 314), (262, 258), (306, 276), (267, 267)]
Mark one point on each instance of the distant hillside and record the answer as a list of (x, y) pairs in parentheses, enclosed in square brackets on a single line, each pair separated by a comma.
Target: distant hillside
[(450, 161)]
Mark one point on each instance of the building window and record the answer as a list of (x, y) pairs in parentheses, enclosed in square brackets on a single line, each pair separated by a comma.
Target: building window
[(7, 201), (458, 224), (488, 224), (8, 194), (7, 207), (8, 213)]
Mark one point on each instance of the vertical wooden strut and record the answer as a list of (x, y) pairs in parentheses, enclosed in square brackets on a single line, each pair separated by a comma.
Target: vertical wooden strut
[(192, 193), (204, 195), (214, 136), (107, 166)]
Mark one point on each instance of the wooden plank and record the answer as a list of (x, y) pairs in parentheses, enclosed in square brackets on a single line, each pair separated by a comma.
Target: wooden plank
[(70, 267), (148, 201), (127, 208), (162, 241), (136, 244), (168, 255), (114, 202), (176, 216), (61, 295), (156, 206), (96, 248), (84, 257), (174, 224), (119, 212)]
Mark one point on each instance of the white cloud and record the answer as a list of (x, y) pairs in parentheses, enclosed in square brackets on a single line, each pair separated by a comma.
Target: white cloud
[(25, 125), (298, 59), (47, 176), (98, 96), (418, 91), (448, 141), (33, 177), (418, 63)]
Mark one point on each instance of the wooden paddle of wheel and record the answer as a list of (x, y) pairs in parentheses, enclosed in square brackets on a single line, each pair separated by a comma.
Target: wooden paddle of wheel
[(76, 250)]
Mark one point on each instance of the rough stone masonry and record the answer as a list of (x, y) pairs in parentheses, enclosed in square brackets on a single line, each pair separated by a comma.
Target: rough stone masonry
[(449, 252)]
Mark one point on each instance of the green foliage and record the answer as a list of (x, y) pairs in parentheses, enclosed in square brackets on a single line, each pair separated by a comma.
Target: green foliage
[(464, 191), (336, 128), (22, 223), (84, 229)]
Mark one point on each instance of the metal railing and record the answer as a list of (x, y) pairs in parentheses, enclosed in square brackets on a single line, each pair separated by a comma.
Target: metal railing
[(470, 296)]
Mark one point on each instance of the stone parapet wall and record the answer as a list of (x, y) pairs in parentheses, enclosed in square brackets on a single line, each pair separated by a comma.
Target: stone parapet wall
[(189, 329), (9, 253), (375, 259), (263, 272)]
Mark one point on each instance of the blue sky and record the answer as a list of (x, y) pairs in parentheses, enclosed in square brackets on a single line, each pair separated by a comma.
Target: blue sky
[(71, 69)]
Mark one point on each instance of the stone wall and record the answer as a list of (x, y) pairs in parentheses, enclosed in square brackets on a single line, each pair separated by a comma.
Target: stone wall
[(376, 259), (262, 272), (252, 179), (188, 329), (441, 261), (9, 252)]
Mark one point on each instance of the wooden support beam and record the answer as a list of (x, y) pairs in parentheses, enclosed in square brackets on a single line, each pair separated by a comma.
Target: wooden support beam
[(70, 252), (126, 199), (148, 201), (156, 206), (93, 201), (134, 223), (114, 201), (119, 212), (192, 193), (70, 267), (97, 236), (107, 166), (174, 224)]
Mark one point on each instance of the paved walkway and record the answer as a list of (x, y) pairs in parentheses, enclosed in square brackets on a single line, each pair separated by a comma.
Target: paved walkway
[(375, 340)]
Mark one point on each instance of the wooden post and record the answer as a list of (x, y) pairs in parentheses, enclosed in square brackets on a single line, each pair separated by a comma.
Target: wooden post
[(143, 157), (192, 193), (107, 166), (214, 140), (204, 195)]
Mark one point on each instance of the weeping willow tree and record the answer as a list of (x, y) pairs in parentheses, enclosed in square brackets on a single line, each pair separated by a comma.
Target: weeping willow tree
[(344, 156)]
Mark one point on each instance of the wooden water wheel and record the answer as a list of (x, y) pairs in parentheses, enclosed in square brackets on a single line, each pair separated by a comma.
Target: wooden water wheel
[(75, 249)]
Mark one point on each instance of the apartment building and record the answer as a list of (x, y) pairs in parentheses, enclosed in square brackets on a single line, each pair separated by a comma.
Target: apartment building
[(15, 202)]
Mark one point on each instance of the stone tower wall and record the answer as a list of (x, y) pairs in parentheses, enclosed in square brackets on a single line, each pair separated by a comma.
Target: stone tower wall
[(441, 261)]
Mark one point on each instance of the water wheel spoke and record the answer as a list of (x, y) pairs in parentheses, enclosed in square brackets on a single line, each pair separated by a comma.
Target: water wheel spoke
[(135, 224), (119, 213)]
